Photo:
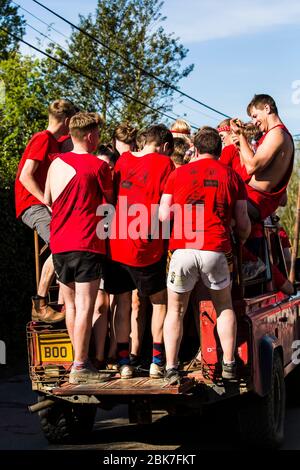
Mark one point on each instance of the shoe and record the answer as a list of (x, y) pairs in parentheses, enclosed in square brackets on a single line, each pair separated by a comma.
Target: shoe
[(41, 311), (251, 269), (134, 360), (172, 376), (156, 371), (126, 371), (229, 371), (88, 375)]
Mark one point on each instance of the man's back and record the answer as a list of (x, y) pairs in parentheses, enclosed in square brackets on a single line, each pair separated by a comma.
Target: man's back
[(138, 180), (215, 187), (77, 183)]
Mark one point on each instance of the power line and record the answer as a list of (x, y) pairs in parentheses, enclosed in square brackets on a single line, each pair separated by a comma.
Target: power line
[(145, 72), (193, 125), (39, 19), (49, 26), (83, 74)]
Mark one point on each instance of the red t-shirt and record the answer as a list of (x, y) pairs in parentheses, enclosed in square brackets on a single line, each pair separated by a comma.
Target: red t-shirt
[(41, 145), (213, 188), (74, 220), (231, 156), (141, 180)]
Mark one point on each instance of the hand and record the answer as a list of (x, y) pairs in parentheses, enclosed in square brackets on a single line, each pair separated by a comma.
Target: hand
[(236, 126)]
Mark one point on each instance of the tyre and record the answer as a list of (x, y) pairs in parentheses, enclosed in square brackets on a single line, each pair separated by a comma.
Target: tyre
[(65, 423), (261, 419)]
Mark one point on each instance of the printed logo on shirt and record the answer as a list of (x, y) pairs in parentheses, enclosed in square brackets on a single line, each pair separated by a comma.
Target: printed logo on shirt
[(126, 184), (211, 183)]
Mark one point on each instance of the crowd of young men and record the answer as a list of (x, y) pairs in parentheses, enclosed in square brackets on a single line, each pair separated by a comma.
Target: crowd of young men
[(116, 210)]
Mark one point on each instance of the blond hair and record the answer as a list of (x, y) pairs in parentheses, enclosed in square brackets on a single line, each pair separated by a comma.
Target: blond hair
[(181, 128), (83, 123), (225, 122), (61, 109)]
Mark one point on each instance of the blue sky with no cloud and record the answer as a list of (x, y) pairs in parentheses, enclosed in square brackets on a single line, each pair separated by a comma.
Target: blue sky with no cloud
[(239, 48)]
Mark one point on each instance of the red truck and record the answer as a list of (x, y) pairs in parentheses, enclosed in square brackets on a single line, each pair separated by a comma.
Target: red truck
[(268, 333)]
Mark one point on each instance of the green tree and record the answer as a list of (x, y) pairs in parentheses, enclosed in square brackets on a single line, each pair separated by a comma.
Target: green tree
[(12, 22), (23, 111), (134, 29), (288, 213)]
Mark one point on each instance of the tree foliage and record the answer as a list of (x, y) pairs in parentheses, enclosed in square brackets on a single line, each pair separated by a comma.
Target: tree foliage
[(132, 28), (288, 214), (12, 22), (23, 111)]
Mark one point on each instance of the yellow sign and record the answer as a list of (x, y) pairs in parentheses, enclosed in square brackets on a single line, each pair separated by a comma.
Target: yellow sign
[(54, 348)]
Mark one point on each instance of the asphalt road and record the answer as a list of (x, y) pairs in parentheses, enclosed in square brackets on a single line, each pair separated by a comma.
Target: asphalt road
[(20, 430)]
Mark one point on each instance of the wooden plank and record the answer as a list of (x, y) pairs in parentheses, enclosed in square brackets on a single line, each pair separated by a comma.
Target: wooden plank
[(134, 386)]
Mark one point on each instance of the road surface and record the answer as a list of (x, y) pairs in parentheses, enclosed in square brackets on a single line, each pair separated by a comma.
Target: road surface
[(20, 430)]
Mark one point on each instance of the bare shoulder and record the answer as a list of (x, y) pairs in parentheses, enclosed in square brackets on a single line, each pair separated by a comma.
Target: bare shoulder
[(276, 135)]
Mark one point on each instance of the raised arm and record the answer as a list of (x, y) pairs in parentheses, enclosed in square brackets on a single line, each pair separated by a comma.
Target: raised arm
[(270, 147)]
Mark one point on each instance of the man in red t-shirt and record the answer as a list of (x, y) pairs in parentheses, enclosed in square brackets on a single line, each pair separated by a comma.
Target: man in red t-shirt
[(136, 247), (29, 195), (203, 196), (78, 183)]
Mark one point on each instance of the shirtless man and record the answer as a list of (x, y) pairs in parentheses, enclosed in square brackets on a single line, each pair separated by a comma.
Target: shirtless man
[(271, 166), (77, 183)]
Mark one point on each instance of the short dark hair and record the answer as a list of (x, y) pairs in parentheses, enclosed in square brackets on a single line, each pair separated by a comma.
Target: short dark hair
[(208, 140), (126, 133), (181, 146), (108, 152), (159, 134), (259, 101)]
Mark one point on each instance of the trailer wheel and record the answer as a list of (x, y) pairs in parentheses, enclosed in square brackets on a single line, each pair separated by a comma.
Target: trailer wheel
[(261, 419), (65, 423)]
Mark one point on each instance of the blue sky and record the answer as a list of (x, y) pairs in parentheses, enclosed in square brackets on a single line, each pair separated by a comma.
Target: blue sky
[(239, 48)]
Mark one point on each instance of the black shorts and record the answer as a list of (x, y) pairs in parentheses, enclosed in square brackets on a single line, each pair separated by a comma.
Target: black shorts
[(78, 266), (148, 280)]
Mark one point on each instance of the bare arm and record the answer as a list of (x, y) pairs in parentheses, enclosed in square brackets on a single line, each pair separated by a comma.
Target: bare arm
[(242, 221), (164, 207), (47, 195), (270, 147), (28, 181)]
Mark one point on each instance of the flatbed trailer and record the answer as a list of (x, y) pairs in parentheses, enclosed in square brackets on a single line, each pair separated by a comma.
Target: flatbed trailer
[(268, 332)]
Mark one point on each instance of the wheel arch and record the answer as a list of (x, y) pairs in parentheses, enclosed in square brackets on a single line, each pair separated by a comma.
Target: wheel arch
[(268, 347)]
